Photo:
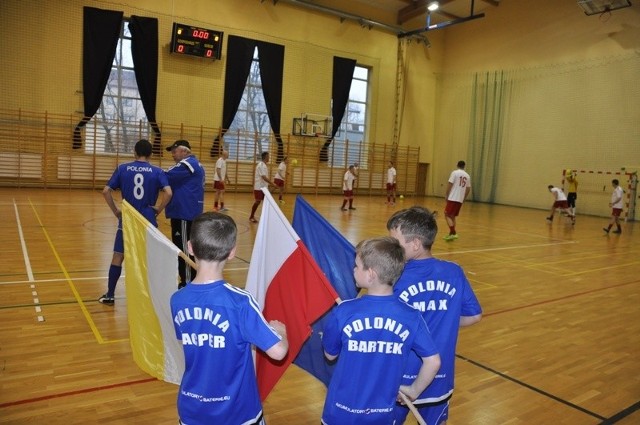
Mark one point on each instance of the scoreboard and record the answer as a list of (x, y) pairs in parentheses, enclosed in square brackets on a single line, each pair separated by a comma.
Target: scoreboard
[(194, 41)]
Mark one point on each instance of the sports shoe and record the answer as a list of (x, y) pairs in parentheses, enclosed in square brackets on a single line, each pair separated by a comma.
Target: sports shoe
[(215, 209), (107, 300), (549, 219), (352, 208), (343, 209), (223, 209), (605, 229), (617, 231), (282, 201), (451, 237), (253, 220)]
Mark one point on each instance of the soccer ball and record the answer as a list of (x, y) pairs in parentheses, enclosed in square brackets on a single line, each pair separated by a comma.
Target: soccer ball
[(401, 196), (294, 162)]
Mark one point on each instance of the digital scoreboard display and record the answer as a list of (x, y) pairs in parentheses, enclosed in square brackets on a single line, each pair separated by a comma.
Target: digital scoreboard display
[(194, 41)]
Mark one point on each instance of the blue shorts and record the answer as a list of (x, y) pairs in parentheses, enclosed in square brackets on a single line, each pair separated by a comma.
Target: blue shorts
[(118, 245)]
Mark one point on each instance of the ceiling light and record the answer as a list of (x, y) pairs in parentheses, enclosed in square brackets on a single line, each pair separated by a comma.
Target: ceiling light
[(433, 6), (593, 7)]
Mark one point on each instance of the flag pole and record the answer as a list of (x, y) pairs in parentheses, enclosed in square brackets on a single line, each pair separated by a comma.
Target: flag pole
[(413, 409), (188, 259)]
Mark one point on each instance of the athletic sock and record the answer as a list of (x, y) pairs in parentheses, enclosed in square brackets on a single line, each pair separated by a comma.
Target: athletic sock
[(221, 205), (215, 205), (114, 275), (350, 203)]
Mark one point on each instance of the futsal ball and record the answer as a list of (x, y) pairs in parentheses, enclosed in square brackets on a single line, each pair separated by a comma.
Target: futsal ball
[(294, 162), (568, 172), (401, 197)]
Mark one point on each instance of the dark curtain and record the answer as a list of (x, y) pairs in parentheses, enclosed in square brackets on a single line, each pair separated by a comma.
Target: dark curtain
[(342, 77), (144, 48), (239, 57), (271, 58), (101, 33)]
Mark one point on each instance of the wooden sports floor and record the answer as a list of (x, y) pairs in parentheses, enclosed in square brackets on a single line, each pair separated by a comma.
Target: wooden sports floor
[(559, 342)]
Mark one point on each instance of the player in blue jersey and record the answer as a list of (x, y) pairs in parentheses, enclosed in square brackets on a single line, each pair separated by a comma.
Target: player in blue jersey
[(373, 337), (139, 183), (187, 179), (217, 324), (440, 290)]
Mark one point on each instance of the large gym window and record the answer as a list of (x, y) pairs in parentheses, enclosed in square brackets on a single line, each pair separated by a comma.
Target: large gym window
[(349, 140), (250, 131), (120, 121)]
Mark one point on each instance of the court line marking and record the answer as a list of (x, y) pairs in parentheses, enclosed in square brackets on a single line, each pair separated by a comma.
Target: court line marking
[(552, 300), (504, 248), (530, 387), (23, 244), (76, 392), (15, 282), (27, 264), (74, 290)]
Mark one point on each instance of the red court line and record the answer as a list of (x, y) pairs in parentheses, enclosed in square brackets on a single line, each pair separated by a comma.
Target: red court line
[(70, 393), (577, 294)]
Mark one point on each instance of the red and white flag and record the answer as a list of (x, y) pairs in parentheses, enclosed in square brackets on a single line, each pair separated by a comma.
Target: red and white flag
[(288, 285)]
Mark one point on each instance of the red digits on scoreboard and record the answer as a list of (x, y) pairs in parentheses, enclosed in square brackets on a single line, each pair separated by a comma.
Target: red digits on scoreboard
[(180, 48), (209, 53), (200, 34)]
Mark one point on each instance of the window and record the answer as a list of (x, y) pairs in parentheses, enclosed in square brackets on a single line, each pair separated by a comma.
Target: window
[(249, 133), (349, 144), (120, 121)]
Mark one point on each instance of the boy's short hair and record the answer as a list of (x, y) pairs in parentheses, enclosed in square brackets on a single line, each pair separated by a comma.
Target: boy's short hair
[(264, 155), (615, 181), (213, 236), (415, 223), (384, 255), (143, 148)]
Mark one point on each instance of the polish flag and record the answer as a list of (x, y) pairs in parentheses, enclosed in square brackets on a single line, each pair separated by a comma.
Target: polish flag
[(288, 285)]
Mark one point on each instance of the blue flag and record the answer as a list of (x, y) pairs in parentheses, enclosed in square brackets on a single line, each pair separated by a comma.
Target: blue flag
[(336, 257)]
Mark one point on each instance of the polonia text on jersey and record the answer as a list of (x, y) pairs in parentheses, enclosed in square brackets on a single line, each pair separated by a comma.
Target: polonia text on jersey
[(367, 323), (198, 313), (428, 286), (139, 169)]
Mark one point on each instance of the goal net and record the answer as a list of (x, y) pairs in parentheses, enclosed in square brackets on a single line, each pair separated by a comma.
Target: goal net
[(595, 188)]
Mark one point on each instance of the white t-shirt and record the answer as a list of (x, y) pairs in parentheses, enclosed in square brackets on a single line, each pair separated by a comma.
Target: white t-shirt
[(282, 171), (391, 175), (460, 181), (616, 198), (558, 194), (261, 171), (221, 164), (347, 182)]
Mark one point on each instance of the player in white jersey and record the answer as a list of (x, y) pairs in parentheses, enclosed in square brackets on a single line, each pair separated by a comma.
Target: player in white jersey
[(219, 179), (560, 202), (391, 184), (347, 188), (458, 188), (616, 205), (280, 178), (261, 179)]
